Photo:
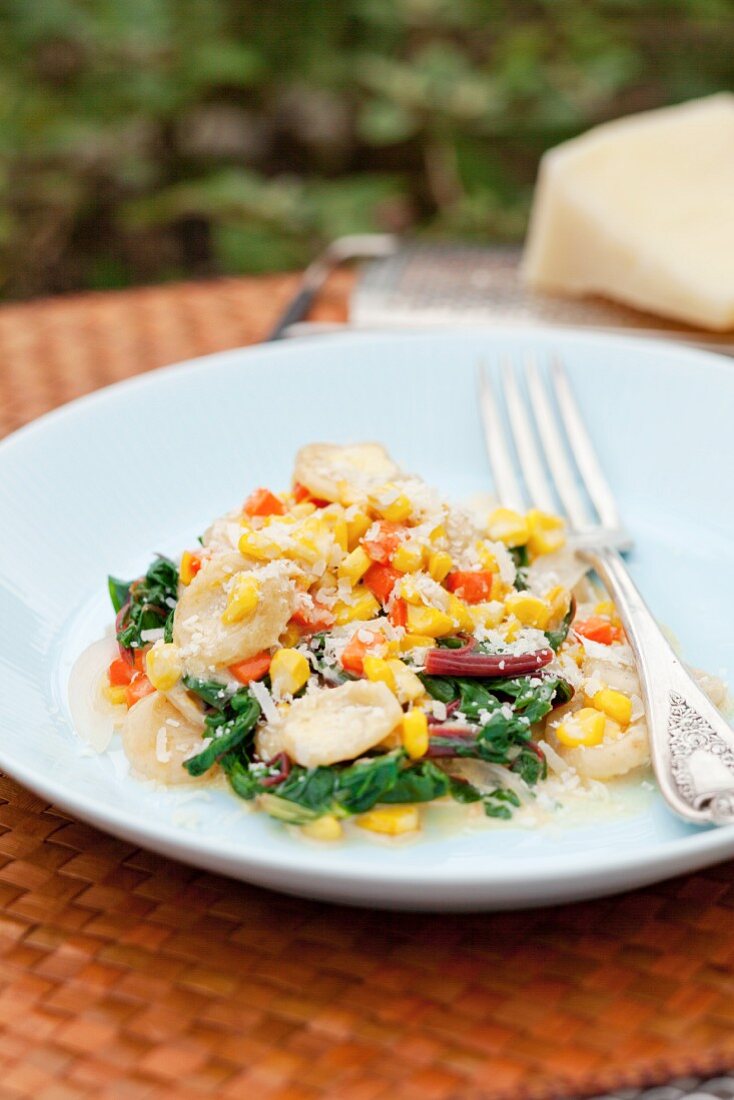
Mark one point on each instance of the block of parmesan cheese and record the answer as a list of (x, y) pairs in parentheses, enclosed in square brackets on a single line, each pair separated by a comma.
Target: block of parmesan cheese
[(642, 210)]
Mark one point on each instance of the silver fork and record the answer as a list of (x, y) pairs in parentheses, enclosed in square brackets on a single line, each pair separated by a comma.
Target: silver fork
[(692, 746)]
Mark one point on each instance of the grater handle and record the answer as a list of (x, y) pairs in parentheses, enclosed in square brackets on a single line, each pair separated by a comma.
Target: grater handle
[(360, 246)]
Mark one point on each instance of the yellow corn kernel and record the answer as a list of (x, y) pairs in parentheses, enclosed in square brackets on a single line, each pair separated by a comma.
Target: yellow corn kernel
[(510, 629), (407, 558), (585, 727), (291, 636), (438, 534), (391, 820), (408, 590), (487, 559), (529, 610), (305, 550), (607, 610), (509, 527), (187, 572), (355, 565), (415, 641), (333, 516), (365, 607), (391, 504), (440, 565), (357, 526), (408, 687), (254, 545), (301, 510), (615, 704), (326, 827), (460, 613), (163, 666), (242, 599), (487, 614), (415, 733), (378, 670), (340, 532), (289, 672), (546, 532), (430, 621), (115, 694), (558, 599)]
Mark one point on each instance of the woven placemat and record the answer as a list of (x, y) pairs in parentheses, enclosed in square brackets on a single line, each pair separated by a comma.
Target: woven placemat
[(126, 975)]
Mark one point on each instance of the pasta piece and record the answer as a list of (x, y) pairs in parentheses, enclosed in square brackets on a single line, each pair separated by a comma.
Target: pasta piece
[(614, 757), (335, 725), (157, 739), (343, 473), (206, 642), (224, 533)]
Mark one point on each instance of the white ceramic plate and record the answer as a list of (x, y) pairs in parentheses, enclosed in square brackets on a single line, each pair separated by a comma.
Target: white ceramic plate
[(143, 466)]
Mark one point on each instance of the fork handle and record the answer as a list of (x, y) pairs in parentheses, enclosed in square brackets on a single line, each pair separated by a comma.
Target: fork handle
[(692, 746)]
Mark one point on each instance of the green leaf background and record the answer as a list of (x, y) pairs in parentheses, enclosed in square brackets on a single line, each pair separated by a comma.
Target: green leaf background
[(159, 139)]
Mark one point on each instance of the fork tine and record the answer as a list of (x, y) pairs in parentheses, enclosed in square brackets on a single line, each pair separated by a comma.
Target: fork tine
[(500, 458), (531, 462), (596, 484), (555, 451)]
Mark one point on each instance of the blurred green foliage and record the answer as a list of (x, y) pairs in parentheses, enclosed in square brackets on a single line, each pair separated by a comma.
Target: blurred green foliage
[(143, 140)]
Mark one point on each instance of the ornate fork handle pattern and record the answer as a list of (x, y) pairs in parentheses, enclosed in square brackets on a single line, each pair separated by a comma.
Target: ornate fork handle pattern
[(691, 743)]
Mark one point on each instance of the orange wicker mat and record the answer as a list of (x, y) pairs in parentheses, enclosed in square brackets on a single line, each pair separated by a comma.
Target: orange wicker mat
[(123, 974)]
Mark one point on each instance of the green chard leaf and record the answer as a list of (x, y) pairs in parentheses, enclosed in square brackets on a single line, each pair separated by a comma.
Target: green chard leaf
[(500, 803), (242, 781), (442, 688), (519, 555), (420, 782), (151, 600), (119, 592), (557, 637), (227, 730), (213, 693)]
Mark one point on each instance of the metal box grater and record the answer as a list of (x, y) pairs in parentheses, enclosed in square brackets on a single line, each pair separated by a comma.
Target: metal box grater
[(444, 284), (402, 284)]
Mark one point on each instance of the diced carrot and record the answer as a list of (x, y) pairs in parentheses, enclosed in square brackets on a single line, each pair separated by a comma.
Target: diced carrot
[(263, 503), (471, 585), (383, 546), (358, 647), (314, 620), (120, 673), (381, 579), (254, 668), (138, 688), (398, 613), (301, 493), (190, 566), (597, 629)]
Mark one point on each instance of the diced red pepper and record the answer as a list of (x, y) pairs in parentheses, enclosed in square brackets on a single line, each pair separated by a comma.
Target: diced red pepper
[(470, 585), (301, 493), (254, 668), (191, 563), (383, 546), (263, 503), (381, 579), (139, 658), (138, 688), (398, 613), (120, 672), (598, 629), (314, 620), (358, 647)]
